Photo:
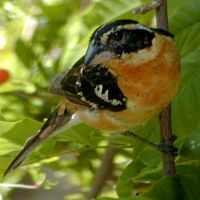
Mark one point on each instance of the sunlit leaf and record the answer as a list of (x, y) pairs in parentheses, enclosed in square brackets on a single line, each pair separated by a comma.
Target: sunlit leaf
[(7, 147)]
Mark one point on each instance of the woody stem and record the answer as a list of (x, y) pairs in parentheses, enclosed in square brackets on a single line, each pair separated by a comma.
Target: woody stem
[(169, 168)]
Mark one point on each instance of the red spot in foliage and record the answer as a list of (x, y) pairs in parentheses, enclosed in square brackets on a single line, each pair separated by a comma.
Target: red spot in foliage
[(4, 76)]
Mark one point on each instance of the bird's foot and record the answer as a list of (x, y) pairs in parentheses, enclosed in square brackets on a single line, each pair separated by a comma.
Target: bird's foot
[(166, 146)]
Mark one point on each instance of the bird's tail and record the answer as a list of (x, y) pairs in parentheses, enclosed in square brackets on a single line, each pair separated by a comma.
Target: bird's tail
[(59, 119)]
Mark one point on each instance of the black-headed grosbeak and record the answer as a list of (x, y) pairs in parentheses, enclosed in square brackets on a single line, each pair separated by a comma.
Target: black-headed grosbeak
[(129, 73)]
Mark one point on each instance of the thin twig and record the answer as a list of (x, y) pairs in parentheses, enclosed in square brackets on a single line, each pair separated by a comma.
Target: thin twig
[(20, 94), (169, 168), (19, 186), (141, 139), (146, 8), (103, 173)]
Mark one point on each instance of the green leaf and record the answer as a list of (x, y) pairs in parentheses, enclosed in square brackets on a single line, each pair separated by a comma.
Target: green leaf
[(165, 189), (16, 133), (191, 146), (13, 136), (189, 169), (82, 134), (57, 12), (186, 107), (186, 18), (184, 186), (143, 170), (25, 53), (21, 131), (149, 131), (150, 157), (100, 9), (169, 188), (172, 6), (124, 184), (148, 175), (6, 147), (6, 126)]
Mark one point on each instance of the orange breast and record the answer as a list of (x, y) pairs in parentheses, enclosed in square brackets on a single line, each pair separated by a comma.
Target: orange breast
[(149, 83)]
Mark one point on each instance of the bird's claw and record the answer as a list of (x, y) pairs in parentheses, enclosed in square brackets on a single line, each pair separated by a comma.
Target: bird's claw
[(167, 146)]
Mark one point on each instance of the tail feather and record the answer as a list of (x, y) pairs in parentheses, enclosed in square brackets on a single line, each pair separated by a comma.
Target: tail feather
[(57, 120)]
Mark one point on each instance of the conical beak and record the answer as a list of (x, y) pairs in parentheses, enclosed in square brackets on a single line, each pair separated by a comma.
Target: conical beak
[(97, 54)]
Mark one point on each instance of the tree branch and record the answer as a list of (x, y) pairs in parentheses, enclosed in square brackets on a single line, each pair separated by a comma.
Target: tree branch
[(146, 8), (103, 173), (169, 168)]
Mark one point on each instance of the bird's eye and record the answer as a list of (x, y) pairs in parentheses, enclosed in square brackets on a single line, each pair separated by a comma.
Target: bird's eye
[(118, 35)]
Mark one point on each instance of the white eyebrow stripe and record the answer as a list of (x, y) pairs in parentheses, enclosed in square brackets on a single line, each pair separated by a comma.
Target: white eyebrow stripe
[(138, 26), (130, 27), (141, 27)]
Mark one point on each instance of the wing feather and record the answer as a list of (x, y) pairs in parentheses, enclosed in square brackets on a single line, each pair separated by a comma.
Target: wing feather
[(93, 86)]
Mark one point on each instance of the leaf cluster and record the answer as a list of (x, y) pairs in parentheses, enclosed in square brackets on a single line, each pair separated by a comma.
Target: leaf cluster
[(39, 39)]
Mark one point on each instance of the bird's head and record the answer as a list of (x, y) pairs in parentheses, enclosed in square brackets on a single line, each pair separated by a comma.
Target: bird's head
[(118, 38)]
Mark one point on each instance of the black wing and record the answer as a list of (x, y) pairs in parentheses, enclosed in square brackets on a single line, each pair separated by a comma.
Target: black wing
[(94, 86), (58, 119)]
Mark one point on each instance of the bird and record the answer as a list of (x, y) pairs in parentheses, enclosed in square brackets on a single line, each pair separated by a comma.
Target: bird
[(128, 74)]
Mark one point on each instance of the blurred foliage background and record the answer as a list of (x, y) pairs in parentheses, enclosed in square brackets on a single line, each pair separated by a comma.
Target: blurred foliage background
[(39, 39)]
